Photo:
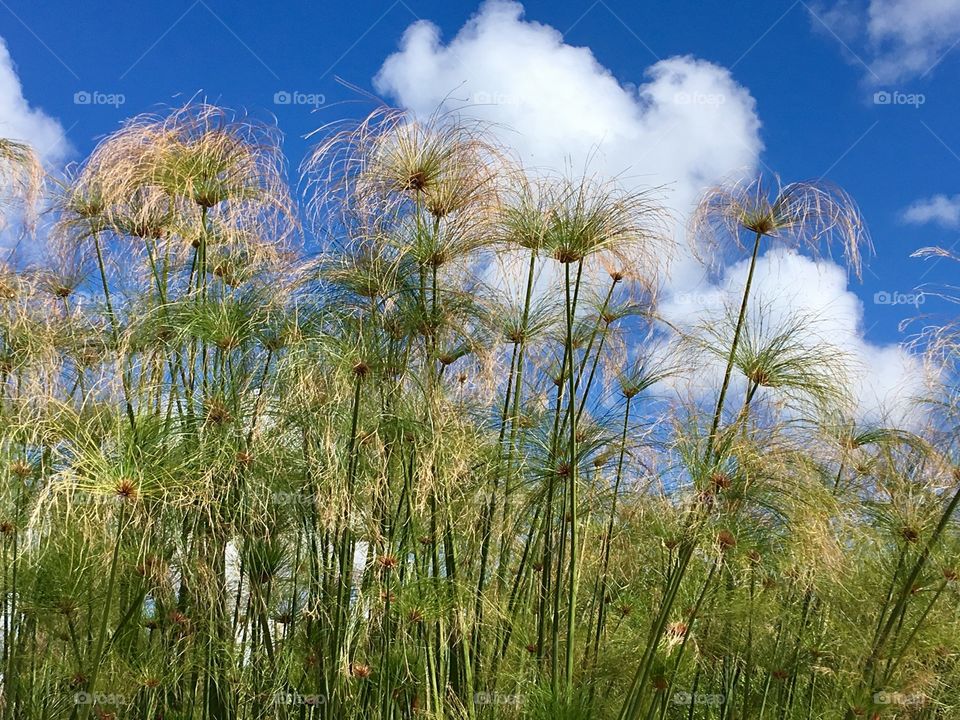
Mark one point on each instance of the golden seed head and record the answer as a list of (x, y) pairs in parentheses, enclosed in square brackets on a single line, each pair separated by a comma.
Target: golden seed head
[(218, 414), (726, 540), (360, 671), (720, 480), (417, 181), (21, 469), (388, 562), (126, 490), (677, 629)]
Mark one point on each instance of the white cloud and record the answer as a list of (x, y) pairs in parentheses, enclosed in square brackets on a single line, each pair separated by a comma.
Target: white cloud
[(939, 209), (687, 125), (911, 36), (902, 39), (883, 379), (20, 121)]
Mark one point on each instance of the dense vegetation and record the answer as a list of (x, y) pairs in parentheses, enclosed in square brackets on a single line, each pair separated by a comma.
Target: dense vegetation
[(444, 467)]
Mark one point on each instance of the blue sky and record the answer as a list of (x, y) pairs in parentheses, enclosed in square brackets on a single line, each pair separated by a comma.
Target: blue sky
[(798, 86)]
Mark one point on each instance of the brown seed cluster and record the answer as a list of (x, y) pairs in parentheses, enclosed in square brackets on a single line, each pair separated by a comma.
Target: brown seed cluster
[(360, 671), (726, 540), (720, 480), (388, 562), (126, 490)]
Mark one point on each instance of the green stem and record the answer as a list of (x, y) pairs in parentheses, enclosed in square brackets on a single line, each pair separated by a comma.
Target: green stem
[(104, 620), (741, 318), (572, 493)]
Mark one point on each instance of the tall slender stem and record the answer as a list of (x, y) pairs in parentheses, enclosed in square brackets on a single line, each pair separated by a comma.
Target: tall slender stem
[(572, 493), (105, 617), (733, 347)]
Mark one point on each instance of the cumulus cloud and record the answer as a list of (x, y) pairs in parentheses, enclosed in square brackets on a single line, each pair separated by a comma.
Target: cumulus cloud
[(20, 121), (939, 209), (686, 125), (882, 379), (902, 39)]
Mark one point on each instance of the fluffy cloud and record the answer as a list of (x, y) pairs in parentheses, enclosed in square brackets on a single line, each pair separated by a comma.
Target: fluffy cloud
[(687, 125), (882, 379), (911, 36), (939, 209), (902, 38), (20, 121), (559, 108)]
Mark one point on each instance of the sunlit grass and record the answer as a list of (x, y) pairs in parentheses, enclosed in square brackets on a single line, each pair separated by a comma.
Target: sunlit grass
[(442, 468)]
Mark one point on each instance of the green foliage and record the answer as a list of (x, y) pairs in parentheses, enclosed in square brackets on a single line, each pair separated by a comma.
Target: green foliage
[(445, 468)]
